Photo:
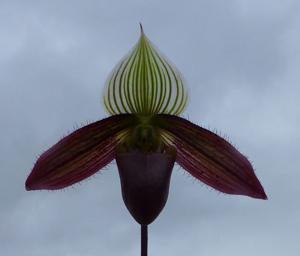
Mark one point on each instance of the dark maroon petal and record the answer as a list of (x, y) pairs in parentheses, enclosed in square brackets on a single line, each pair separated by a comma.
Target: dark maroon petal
[(78, 155), (210, 158), (145, 180)]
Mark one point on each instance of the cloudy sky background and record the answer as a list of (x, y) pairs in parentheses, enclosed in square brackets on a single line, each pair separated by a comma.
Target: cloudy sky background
[(241, 61)]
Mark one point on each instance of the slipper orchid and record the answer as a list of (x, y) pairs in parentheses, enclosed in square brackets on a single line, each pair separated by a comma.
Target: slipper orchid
[(145, 95)]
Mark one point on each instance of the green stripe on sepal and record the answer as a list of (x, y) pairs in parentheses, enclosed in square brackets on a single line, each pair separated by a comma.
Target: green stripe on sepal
[(144, 82)]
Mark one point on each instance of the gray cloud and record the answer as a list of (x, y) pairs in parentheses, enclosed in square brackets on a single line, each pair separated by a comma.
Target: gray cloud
[(241, 62)]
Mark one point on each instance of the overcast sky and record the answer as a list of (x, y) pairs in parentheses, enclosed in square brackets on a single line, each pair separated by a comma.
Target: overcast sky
[(241, 61)]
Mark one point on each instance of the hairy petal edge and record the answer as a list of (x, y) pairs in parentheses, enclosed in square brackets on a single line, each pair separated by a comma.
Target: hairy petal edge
[(78, 155), (210, 158)]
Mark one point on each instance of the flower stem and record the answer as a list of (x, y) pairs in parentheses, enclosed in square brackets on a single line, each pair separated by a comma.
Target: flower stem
[(144, 240)]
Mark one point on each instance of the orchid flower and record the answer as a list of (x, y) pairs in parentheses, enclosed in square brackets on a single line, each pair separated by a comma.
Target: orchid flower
[(145, 96)]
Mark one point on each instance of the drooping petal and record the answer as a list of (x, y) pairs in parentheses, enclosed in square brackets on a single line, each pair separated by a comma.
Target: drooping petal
[(144, 82), (78, 155), (210, 158)]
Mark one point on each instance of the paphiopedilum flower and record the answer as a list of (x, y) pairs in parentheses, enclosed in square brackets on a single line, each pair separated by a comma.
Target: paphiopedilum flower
[(145, 96)]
